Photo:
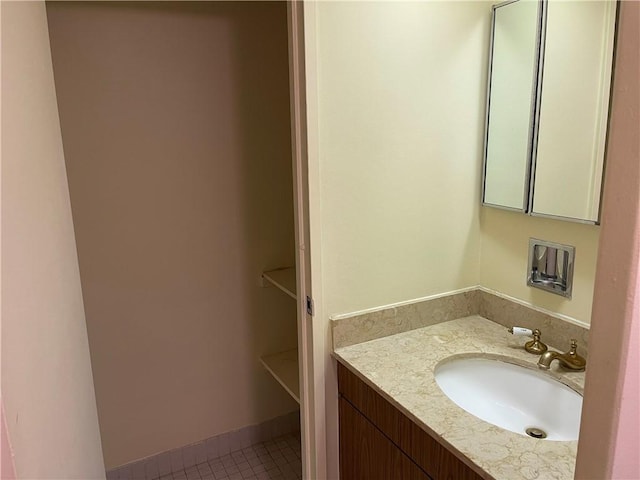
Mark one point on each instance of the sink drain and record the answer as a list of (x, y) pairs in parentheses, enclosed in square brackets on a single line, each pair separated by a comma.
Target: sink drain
[(536, 432)]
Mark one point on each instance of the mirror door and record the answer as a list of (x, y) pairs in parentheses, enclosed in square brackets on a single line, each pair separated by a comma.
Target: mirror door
[(511, 93), (574, 104)]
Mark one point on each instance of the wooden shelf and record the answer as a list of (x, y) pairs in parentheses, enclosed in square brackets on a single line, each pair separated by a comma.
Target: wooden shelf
[(284, 368), (284, 279)]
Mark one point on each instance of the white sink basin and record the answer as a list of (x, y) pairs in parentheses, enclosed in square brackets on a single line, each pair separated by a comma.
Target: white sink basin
[(512, 397)]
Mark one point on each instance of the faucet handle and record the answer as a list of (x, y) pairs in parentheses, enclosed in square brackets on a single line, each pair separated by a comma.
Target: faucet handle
[(576, 361), (574, 346), (535, 346)]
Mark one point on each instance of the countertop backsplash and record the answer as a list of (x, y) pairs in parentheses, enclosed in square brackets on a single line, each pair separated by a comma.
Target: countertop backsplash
[(557, 331)]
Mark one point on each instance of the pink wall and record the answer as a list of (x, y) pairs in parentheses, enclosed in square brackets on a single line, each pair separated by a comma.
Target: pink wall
[(7, 469), (610, 437), (175, 123), (47, 383), (626, 456)]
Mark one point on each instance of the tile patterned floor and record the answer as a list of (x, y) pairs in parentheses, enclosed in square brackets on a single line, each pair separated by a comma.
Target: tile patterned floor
[(277, 459)]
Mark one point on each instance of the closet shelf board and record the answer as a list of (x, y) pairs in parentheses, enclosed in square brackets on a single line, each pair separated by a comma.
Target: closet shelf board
[(284, 279), (284, 368)]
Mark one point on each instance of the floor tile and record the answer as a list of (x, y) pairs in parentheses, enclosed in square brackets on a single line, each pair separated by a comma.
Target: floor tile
[(277, 459)]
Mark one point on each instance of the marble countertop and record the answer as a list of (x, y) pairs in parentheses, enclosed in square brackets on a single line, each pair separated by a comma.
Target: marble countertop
[(400, 367)]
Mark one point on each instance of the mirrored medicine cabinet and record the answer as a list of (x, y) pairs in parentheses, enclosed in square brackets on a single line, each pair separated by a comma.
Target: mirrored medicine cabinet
[(548, 94)]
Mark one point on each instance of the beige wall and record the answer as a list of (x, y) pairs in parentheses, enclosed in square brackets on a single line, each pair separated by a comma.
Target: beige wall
[(504, 250), (47, 386), (176, 133), (400, 122)]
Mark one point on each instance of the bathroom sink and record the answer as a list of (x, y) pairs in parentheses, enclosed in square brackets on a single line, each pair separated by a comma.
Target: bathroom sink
[(512, 397)]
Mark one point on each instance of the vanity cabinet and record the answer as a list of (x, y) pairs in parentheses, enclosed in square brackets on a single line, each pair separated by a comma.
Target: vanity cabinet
[(377, 441)]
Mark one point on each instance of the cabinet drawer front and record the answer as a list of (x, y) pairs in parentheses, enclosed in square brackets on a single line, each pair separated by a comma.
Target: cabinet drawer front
[(367, 454), (400, 429), (438, 462)]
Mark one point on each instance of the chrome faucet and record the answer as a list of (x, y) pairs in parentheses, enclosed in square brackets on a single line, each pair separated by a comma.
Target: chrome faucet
[(570, 360)]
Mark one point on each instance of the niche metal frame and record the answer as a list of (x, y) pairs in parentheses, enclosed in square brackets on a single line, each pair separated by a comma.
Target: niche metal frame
[(563, 286), (532, 147)]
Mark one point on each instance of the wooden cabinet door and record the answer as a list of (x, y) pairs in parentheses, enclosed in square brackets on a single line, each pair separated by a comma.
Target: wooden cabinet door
[(367, 454)]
